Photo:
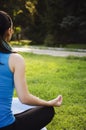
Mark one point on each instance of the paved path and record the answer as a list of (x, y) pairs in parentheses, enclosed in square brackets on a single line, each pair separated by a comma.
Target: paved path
[(52, 51)]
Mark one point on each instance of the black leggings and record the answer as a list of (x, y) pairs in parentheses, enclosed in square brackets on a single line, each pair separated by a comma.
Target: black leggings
[(32, 119)]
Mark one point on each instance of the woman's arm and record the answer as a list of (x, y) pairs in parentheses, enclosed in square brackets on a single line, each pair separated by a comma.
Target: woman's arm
[(18, 67)]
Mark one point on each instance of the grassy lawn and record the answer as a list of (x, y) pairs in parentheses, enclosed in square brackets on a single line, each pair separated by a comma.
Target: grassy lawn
[(27, 43), (49, 76)]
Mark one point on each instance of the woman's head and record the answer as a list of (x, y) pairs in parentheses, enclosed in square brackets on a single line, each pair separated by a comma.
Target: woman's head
[(5, 25), (6, 31)]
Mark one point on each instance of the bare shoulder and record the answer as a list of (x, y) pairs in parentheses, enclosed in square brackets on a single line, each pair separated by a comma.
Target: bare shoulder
[(16, 61), (17, 57)]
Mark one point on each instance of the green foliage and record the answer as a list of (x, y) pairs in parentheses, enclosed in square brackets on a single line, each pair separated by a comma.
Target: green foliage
[(49, 40), (64, 20), (48, 76), (31, 7), (17, 29)]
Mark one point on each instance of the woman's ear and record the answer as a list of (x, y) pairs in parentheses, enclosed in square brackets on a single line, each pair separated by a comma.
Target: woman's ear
[(11, 30)]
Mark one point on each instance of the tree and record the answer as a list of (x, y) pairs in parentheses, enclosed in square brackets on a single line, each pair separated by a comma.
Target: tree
[(49, 22), (19, 12), (73, 23)]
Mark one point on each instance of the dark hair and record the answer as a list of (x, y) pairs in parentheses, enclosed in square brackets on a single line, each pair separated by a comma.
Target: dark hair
[(5, 23)]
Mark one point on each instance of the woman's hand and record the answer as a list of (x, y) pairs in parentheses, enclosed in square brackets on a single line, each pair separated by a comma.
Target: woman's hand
[(56, 102)]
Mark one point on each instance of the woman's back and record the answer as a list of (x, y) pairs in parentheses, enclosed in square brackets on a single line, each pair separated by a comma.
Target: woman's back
[(6, 90)]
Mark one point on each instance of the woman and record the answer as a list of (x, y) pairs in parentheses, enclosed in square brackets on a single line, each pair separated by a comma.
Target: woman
[(12, 74)]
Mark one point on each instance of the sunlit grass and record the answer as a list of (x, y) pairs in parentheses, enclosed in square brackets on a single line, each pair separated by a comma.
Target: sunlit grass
[(48, 76), (20, 43), (70, 46)]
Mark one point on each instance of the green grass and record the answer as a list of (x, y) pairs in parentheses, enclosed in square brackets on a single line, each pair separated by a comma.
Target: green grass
[(49, 76), (20, 43), (76, 46), (26, 43)]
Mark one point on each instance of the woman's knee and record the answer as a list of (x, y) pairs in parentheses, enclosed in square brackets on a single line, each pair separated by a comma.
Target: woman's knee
[(49, 111)]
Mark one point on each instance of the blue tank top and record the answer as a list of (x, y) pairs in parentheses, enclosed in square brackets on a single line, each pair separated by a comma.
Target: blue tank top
[(6, 91)]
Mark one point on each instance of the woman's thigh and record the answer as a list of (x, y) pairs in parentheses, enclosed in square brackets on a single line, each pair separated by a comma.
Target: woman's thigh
[(35, 118)]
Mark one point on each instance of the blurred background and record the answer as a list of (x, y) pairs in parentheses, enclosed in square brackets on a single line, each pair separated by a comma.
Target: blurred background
[(55, 23)]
